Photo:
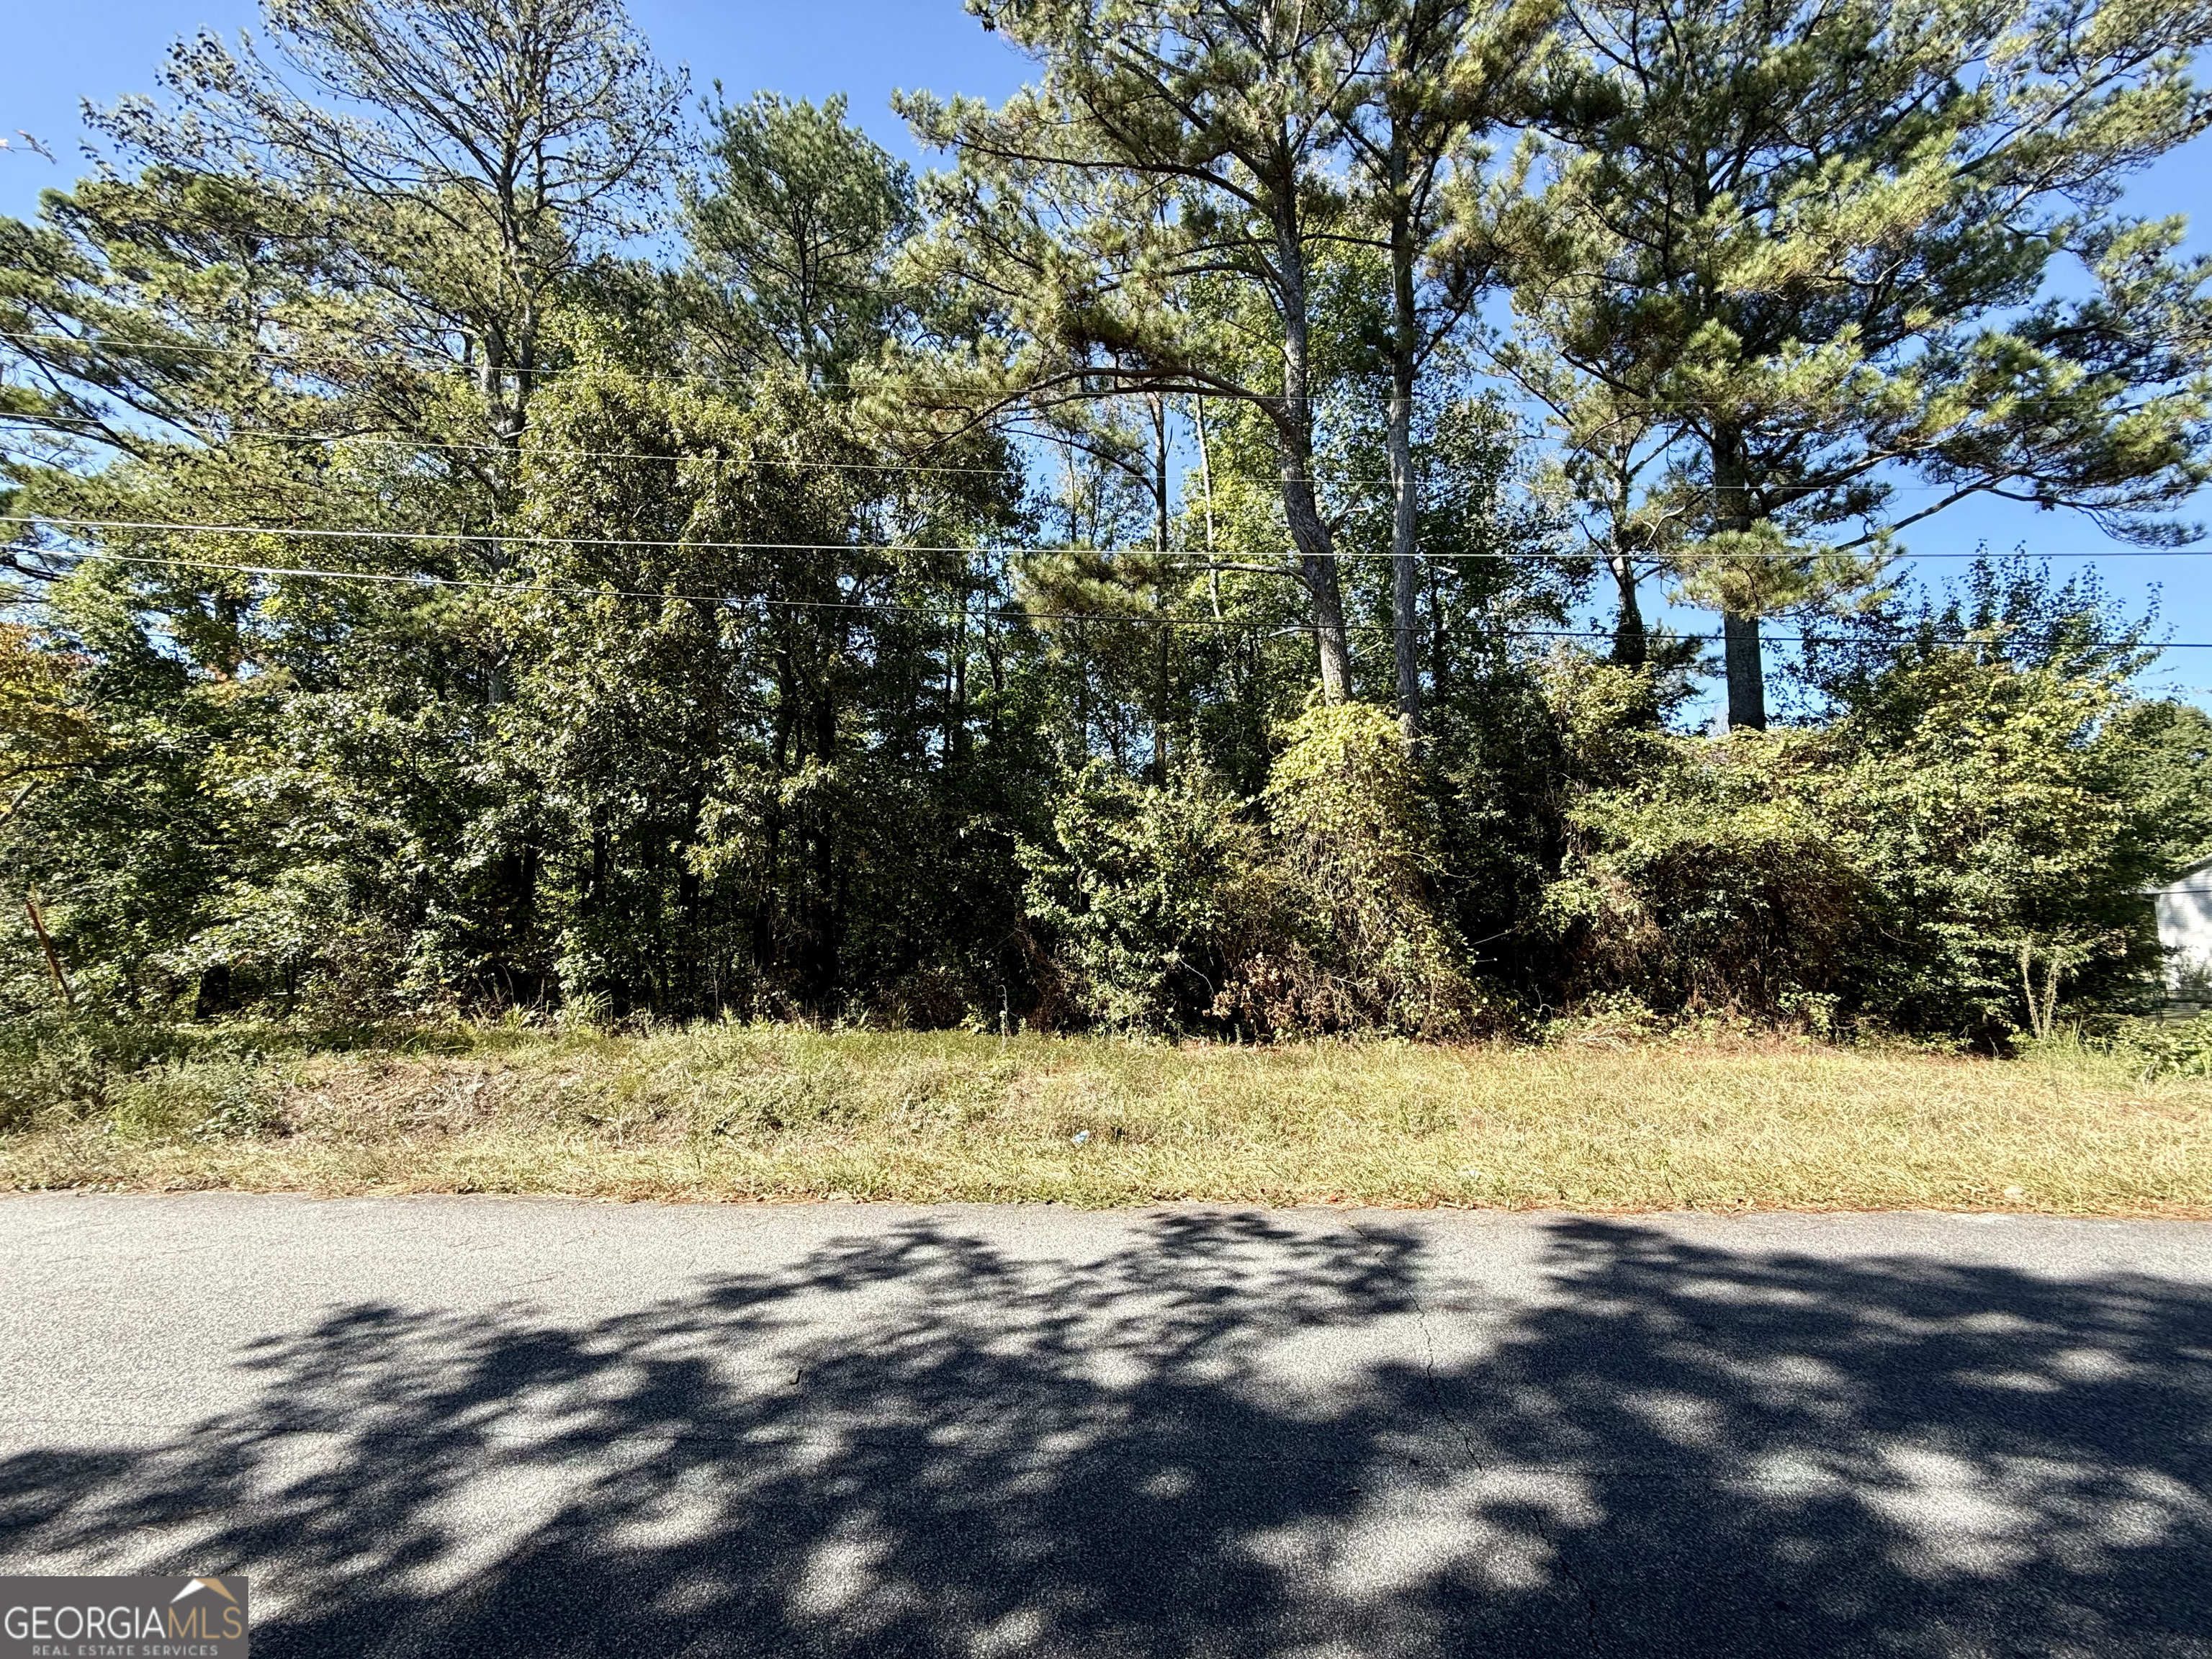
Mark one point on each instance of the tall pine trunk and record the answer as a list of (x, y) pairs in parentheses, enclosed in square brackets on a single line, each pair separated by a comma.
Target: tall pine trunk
[(507, 357), (1293, 418), (1405, 500), (1631, 641), (1739, 646)]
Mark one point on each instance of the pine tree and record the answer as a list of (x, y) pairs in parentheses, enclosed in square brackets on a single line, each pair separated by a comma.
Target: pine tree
[(1174, 145), (792, 230), (1807, 243), (1441, 73)]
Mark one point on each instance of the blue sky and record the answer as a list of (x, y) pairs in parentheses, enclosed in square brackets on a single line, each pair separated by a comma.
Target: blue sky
[(60, 54)]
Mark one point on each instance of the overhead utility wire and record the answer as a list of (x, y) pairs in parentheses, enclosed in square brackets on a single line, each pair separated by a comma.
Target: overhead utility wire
[(165, 527), (482, 446), (1001, 613), (520, 590)]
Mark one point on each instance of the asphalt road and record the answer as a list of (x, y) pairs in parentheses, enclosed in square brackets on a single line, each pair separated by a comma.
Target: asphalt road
[(480, 1426)]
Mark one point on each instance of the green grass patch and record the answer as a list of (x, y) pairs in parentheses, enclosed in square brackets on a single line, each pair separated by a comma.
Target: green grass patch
[(740, 1112)]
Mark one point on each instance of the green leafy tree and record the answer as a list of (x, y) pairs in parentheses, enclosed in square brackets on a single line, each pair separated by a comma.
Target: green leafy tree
[(1153, 898), (1986, 806), (766, 781), (2161, 753)]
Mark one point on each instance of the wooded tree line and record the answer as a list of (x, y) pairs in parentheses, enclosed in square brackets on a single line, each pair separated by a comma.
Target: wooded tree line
[(487, 528)]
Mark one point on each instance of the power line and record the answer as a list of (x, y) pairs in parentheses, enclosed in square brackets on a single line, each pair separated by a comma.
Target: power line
[(1004, 613), (366, 534), (1328, 481), (317, 534), (522, 590)]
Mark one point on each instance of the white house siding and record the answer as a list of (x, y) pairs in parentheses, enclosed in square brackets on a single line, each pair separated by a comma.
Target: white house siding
[(2184, 927)]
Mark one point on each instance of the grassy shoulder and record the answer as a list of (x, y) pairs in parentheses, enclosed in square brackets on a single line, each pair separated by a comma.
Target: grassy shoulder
[(777, 1113)]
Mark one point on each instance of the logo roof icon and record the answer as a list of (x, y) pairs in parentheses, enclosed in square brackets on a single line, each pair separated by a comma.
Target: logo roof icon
[(214, 1584)]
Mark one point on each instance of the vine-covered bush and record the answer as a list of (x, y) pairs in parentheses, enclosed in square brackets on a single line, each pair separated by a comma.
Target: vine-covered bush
[(1182, 908), (1357, 848), (1921, 871)]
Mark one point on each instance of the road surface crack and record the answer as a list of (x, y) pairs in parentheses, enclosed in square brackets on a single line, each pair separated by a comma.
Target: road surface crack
[(1458, 1425), (1589, 1601)]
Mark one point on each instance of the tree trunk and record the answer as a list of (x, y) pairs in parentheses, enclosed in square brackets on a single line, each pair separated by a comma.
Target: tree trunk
[(1160, 710), (1309, 532), (1747, 672), (1157, 403), (823, 918), (1206, 488), (956, 701), (1317, 570), (1405, 346), (53, 957), (1631, 641)]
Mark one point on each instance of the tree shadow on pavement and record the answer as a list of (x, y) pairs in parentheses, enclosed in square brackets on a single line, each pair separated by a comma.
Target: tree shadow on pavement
[(1233, 1435)]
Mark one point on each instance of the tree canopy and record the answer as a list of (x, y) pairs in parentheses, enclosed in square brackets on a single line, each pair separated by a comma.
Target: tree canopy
[(482, 538)]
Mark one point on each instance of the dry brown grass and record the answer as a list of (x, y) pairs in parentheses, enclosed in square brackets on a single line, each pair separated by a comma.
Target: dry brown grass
[(740, 1113)]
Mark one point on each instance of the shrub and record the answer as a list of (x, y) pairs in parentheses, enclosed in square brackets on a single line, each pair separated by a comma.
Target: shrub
[(1897, 868), (1719, 884), (1357, 850), (2166, 1048), (1172, 911), (1152, 898)]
